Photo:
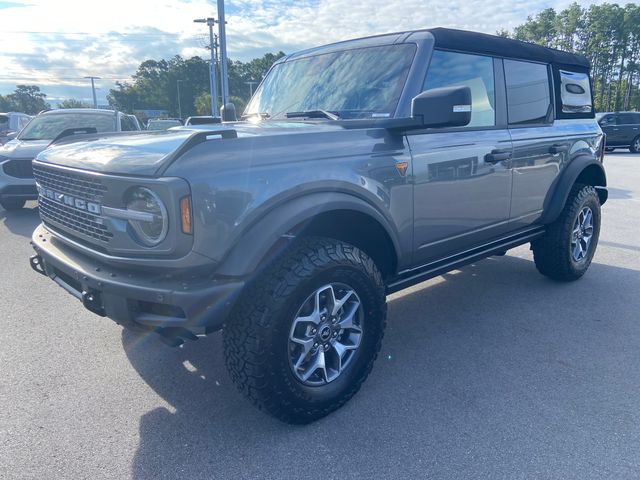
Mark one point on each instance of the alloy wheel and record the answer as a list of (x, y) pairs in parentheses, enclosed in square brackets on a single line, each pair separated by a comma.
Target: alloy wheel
[(325, 334)]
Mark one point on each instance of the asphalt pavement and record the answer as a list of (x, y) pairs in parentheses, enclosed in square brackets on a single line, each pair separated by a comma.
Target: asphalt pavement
[(491, 371)]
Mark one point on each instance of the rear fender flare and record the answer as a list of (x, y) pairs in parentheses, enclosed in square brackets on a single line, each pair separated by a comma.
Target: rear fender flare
[(559, 191)]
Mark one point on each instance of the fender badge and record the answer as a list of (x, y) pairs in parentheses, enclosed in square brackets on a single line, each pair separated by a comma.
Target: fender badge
[(402, 168)]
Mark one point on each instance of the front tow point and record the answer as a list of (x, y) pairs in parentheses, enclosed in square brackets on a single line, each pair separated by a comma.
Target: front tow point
[(36, 264), (92, 302)]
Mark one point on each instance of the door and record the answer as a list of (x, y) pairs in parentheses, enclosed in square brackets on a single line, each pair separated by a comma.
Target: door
[(462, 176), (628, 126), (609, 125), (540, 149)]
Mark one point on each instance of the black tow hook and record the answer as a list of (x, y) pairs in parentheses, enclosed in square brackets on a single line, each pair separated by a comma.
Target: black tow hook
[(92, 302), (36, 263)]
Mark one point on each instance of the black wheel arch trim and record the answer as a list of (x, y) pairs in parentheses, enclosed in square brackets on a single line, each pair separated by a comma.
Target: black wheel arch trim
[(260, 238), (559, 192)]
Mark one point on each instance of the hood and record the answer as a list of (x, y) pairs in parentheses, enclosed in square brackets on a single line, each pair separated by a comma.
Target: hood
[(147, 153), (21, 149)]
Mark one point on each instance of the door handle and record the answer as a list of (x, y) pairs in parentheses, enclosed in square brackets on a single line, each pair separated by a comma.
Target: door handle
[(559, 149), (497, 156)]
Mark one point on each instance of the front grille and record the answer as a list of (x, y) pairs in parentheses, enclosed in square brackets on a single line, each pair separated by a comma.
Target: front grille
[(18, 168), (79, 186)]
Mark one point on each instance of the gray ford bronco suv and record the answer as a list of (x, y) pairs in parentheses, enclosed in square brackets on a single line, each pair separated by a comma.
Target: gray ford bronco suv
[(359, 169)]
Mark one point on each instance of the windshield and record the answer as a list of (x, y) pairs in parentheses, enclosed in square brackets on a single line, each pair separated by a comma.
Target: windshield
[(48, 127), (359, 83)]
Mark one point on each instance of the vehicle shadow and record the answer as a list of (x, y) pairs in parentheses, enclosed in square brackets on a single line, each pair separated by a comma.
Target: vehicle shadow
[(479, 365), (21, 222)]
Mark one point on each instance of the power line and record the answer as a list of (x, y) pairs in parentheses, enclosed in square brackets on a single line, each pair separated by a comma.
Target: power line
[(127, 34)]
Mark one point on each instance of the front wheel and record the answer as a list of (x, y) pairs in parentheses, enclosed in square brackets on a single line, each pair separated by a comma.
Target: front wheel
[(566, 250), (307, 333), (635, 145)]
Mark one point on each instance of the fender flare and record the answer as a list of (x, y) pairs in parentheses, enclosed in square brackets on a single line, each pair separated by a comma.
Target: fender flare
[(259, 239), (559, 191)]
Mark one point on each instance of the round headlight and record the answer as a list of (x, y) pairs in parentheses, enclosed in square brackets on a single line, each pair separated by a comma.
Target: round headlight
[(152, 223)]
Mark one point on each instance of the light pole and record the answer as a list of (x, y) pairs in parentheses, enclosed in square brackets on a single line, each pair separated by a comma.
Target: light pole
[(212, 65), (251, 83), (224, 81), (179, 106), (93, 90)]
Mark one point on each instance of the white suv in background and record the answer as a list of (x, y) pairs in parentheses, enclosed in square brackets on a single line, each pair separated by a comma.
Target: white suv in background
[(10, 125)]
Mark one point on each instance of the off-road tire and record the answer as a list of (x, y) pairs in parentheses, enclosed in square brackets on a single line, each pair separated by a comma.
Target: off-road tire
[(256, 336), (552, 253), (11, 204), (635, 145)]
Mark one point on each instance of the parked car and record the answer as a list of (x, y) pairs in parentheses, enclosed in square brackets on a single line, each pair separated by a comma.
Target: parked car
[(365, 167), (17, 184), (202, 120), (10, 125), (622, 130), (163, 123)]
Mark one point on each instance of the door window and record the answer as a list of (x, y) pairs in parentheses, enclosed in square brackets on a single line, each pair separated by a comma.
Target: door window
[(452, 69), (628, 119), (528, 92)]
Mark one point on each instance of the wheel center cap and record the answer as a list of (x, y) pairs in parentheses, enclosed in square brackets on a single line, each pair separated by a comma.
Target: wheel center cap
[(325, 333)]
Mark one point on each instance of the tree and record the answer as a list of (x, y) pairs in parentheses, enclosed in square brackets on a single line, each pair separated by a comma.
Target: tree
[(26, 98), (155, 85), (73, 103), (607, 34)]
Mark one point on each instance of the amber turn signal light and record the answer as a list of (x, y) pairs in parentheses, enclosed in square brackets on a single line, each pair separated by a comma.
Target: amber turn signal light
[(185, 215)]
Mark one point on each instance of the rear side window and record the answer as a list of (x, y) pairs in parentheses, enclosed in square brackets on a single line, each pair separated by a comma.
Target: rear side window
[(451, 69), (575, 92), (528, 92), (628, 118)]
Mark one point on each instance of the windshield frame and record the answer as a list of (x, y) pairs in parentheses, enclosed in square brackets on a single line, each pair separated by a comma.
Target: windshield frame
[(23, 137), (396, 107)]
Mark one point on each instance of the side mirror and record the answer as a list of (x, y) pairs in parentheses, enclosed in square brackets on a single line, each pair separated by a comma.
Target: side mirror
[(442, 107), (11, 135)]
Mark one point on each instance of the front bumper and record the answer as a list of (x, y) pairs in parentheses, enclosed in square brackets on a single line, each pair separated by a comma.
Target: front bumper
[(137, 299)]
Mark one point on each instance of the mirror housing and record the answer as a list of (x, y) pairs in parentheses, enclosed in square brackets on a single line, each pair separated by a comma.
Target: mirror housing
[(442, 107)]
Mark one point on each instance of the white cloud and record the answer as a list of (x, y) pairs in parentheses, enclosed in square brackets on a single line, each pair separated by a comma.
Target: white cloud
[(119, 34)]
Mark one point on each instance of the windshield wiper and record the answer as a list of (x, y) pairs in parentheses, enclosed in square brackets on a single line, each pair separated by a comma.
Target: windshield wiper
[(263, 115), (314, 114)]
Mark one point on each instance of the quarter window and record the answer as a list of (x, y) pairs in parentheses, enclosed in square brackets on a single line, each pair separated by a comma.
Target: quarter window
[(575, 92), (451, 69), (528, 92)]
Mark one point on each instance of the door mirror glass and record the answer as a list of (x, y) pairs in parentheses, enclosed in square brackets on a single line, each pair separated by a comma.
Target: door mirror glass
[(442, 107)]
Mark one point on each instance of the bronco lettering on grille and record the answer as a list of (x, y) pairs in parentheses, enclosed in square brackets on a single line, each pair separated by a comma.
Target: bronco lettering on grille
[(69, 200)]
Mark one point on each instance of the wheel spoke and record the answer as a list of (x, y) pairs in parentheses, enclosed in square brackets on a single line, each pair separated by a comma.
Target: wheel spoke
[(318, 363), (577, 251), (347, 322)]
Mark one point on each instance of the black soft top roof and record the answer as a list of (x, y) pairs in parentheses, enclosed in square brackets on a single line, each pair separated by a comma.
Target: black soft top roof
[(505, 47)]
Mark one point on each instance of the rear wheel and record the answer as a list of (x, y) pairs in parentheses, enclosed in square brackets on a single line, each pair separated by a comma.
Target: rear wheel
[(12, 204), (306, 335), (635, 145), (566, 250)]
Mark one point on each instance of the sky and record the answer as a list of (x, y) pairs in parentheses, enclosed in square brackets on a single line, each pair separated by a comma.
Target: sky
[(56, 43)]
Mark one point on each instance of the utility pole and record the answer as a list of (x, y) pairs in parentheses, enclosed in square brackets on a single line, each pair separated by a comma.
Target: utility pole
[(224, 81), (213, 84), (93, 90), (179, 106)]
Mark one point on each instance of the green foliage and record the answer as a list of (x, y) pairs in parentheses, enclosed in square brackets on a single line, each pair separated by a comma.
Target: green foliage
[(155, 85), (26, 98), (73, 103), (607, 34)]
